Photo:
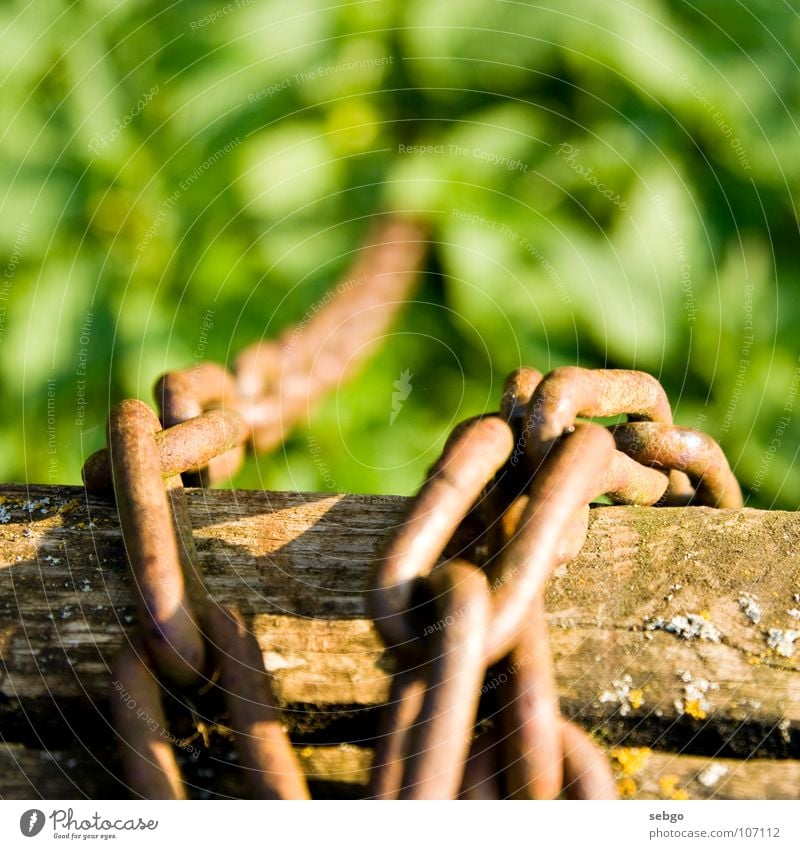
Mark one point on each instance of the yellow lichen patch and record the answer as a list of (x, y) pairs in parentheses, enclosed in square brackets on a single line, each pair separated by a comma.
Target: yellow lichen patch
[(636, 698), (694, 709), (627, 787), (706, 614), (668, 785), (629, 761)]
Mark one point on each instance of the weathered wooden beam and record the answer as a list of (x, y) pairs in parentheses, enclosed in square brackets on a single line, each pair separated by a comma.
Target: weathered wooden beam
[(674, 628)]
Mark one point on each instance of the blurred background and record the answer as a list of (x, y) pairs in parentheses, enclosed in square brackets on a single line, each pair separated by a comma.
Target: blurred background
[(608, 184)]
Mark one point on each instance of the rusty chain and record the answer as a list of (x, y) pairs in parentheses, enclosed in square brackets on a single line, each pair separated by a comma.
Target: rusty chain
[(275, 382), (529, 474), (208, 416), (458, 590)]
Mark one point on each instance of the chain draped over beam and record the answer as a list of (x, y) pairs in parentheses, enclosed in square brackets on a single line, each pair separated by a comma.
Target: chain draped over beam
[(290, 563), (456, 590)]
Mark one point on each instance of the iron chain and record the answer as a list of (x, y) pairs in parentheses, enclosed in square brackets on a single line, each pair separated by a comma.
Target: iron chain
[(457, 591), (208, 417), (529, 473)]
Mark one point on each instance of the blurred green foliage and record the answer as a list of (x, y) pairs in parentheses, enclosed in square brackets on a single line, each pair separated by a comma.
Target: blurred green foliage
[(609, 184)]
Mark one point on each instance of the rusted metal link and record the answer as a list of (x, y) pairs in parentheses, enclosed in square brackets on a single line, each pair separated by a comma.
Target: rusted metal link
[(531, 505), (580, 466), (185, 394), (186, 447), (280, 381), (494, 515), (384, 271), (529, 714), (697, 454), (544, 754), (518, 389), (568, 479), (538, 758), (425, 732), (628, 482), (397, 719), (187, 552), (568, 393), (182, 396), (144, 740), (158, 537), (272, 770), (472, 456), (438, 743), (148, 759), (167, 622)]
